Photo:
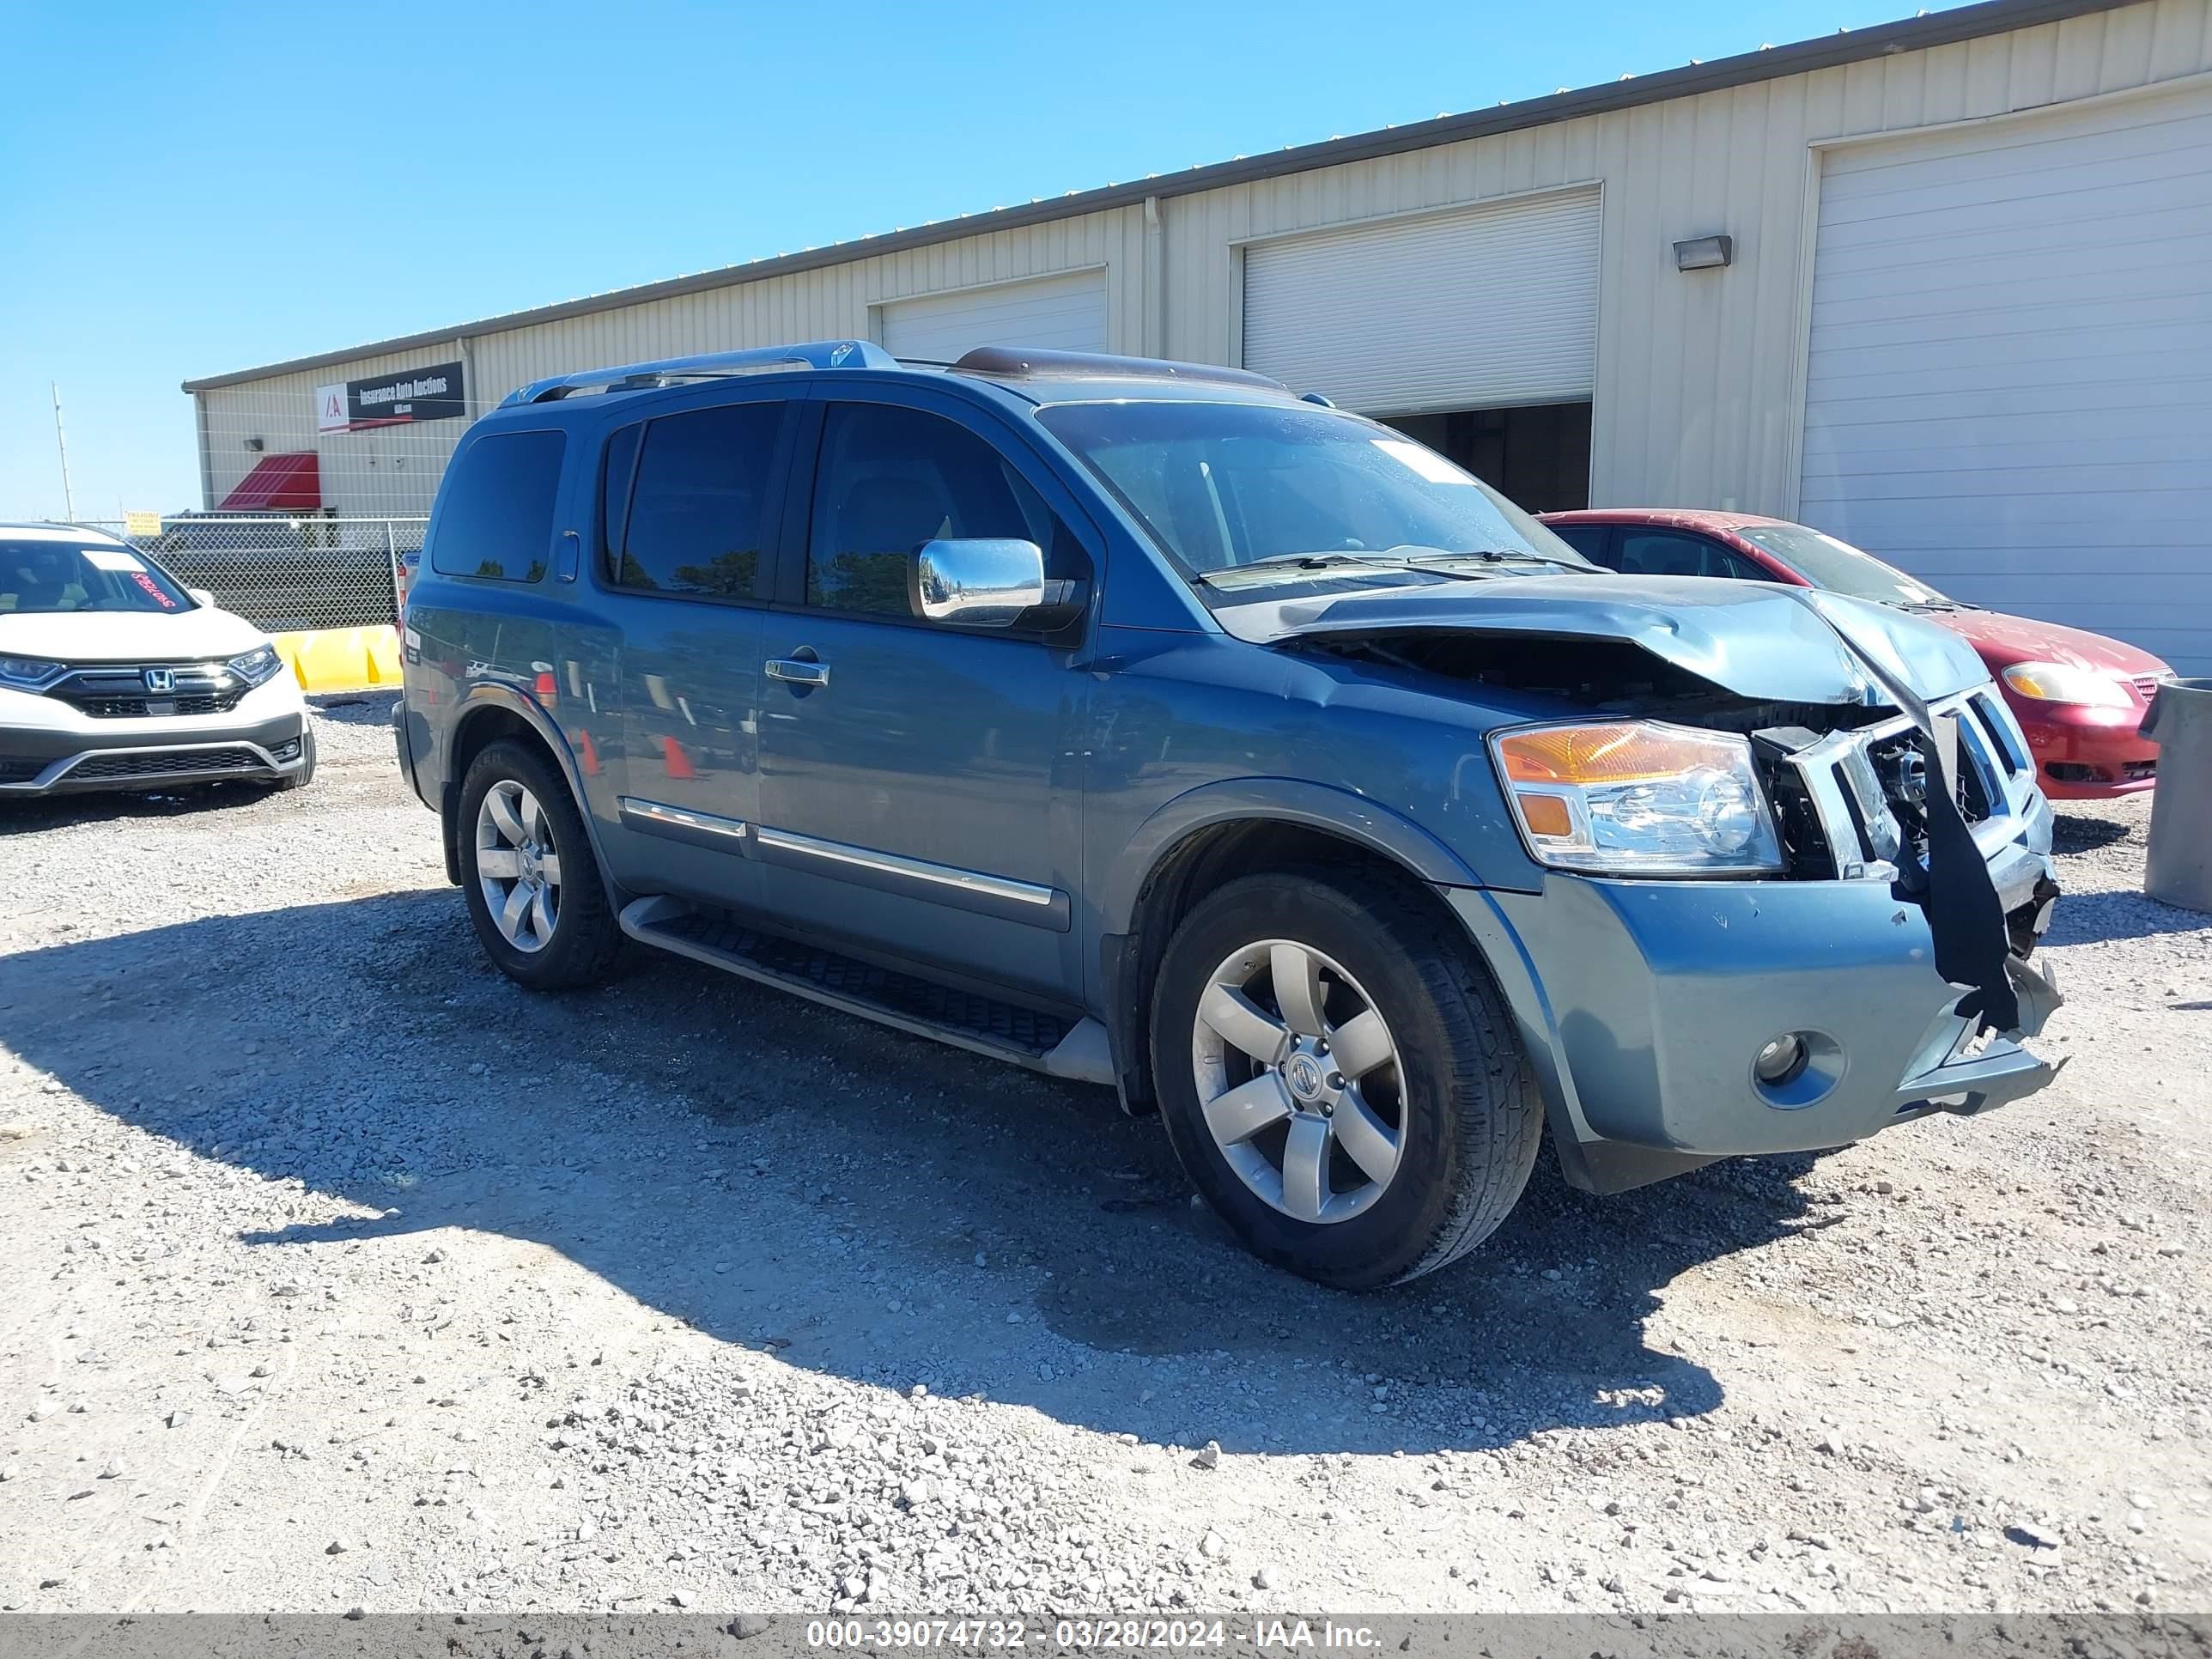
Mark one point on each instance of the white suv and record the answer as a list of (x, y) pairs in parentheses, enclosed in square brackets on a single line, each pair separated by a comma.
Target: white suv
[(113, 676)]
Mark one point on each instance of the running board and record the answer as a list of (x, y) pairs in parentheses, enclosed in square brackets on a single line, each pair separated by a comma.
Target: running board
[(1075, 1049)]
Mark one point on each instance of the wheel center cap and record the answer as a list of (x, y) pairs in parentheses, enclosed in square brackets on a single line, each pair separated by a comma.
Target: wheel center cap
[(529, 863), (1303, 1073)]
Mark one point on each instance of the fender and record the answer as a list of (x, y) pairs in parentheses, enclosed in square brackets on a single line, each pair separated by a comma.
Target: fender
[(481, 697), (1282, 800)]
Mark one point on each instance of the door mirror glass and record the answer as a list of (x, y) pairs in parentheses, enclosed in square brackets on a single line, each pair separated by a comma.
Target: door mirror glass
[(978, 582)]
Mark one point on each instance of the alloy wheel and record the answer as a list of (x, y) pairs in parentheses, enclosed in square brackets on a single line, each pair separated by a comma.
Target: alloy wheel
[(1299, 1080), (518, 865)]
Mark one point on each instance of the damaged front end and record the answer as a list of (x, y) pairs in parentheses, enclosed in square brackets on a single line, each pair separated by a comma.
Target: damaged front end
[(1878, 968), (1949, 816)]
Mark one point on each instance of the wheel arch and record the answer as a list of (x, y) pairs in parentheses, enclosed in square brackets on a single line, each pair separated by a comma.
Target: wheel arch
[(492, 714), (1223, 831)]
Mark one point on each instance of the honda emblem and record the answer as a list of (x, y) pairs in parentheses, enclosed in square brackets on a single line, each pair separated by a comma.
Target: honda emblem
[(160, 679)]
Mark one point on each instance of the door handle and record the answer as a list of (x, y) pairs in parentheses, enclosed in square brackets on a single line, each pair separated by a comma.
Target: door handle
[(796, 670)]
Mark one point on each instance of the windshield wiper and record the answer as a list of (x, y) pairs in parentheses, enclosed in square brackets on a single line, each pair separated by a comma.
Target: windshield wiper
[(1502, 556), (1390, 560)]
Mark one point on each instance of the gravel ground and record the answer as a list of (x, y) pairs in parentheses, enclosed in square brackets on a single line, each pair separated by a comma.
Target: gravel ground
[(339, 1272)]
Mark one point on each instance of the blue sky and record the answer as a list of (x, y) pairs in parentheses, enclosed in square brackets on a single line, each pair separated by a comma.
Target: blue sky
[(185, 190)]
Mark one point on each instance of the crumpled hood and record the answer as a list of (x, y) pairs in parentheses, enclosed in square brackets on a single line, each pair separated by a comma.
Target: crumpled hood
[(126, 635), (1758, 639)]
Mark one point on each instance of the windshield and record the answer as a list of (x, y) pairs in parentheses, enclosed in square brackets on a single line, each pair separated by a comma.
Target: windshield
[(1221, 487), (44, 578), (1837, 566)]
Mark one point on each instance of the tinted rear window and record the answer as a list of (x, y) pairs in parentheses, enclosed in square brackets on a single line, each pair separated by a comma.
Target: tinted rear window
[(496, 517), (1587, 539), (700, 501)]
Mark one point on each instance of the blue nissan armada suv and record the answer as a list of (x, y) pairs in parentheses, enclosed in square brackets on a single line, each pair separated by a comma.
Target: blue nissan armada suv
[(1146, 723)]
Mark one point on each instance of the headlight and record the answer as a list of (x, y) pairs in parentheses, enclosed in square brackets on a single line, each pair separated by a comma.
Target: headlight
[(2057, 682), (258, 665), (1638, 798), (29, 673)]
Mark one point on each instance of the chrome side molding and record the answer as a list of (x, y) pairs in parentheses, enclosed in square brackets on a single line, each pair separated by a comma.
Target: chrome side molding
[(940, 883), (890, 872), (657, 817)]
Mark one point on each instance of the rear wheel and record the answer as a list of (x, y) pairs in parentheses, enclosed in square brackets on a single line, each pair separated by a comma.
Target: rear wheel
[(1338, 1077), (527, 873)]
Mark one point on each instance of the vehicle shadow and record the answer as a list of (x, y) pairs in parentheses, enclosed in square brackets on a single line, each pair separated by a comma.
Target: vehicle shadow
[(371, 707), (24, 816), (2097, 918), (2078, 832), (868, 1204)]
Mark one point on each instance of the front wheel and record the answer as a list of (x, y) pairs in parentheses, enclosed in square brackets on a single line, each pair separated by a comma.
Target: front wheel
[(1337, 1073), (531, 882)]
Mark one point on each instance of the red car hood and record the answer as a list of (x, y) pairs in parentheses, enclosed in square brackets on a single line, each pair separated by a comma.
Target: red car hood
[(2002, 640)]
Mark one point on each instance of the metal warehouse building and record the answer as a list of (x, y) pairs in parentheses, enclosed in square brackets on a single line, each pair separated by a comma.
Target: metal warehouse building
[(1942, 287)]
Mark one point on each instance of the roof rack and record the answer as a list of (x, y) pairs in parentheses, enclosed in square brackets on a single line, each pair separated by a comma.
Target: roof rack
[(673, 371), (1016, 362)]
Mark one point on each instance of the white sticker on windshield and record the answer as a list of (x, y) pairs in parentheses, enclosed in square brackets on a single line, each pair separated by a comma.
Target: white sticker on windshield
[(111, 558), (1426, 462)]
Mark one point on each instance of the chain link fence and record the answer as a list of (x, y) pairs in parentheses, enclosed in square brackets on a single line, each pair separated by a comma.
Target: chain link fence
[(286, 570)]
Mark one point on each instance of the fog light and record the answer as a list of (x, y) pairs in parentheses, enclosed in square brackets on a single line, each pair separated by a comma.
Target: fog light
[(1782, 1060), (287, 750)]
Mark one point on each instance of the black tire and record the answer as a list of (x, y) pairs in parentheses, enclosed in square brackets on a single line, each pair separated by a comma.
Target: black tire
[(305, 774), (585, 936), (1470, 1115)]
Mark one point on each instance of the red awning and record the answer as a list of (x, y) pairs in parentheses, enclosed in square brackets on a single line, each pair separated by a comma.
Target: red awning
[(278, 481)]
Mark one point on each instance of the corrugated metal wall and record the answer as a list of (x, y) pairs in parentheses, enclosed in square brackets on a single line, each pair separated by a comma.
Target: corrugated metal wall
[(387, 470), (1698, 374), (1699, 395), (394, 469), (830, 304)]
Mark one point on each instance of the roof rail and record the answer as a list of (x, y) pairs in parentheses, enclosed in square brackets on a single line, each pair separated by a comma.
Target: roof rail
[(1017, 362), (817, 354)]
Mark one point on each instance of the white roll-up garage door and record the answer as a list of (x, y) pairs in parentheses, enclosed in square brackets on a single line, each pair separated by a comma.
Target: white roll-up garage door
[(2009, 385), (1067, 313), (1478, 309)]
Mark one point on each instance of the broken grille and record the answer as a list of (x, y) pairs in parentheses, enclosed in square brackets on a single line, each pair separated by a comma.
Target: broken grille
[(1869, 787)]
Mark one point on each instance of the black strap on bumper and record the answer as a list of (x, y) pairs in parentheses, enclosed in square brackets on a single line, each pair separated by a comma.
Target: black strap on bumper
[(1966, 917)]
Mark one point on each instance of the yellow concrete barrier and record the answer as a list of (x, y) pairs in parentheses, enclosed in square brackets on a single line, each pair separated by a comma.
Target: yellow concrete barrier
[(325, 660)]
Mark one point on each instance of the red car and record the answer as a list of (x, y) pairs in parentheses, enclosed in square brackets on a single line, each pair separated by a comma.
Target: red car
[(2079, 696)]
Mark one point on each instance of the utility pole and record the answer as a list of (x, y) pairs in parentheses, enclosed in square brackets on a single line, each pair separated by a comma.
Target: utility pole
[(61, 443)]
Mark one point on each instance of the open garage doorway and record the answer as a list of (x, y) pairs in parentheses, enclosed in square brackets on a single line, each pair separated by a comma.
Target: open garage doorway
[(1538, 453)]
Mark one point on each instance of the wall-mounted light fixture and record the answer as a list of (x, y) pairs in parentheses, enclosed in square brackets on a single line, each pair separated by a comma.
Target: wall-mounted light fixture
[(253, 443), (1705, 253)]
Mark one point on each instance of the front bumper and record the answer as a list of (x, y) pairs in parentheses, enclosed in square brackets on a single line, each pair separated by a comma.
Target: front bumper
[(2087, 754), (1643, 1005), (47, 749)]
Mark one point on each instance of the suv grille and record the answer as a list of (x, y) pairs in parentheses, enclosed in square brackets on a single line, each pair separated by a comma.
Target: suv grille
[(1869, 788), (114, 708), (118, 691), (194, 760)]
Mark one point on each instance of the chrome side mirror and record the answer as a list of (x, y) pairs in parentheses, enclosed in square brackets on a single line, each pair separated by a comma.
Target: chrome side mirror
[(976, 582)]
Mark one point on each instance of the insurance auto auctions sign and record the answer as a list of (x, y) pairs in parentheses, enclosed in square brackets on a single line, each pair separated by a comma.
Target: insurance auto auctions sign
[(421, 394)]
